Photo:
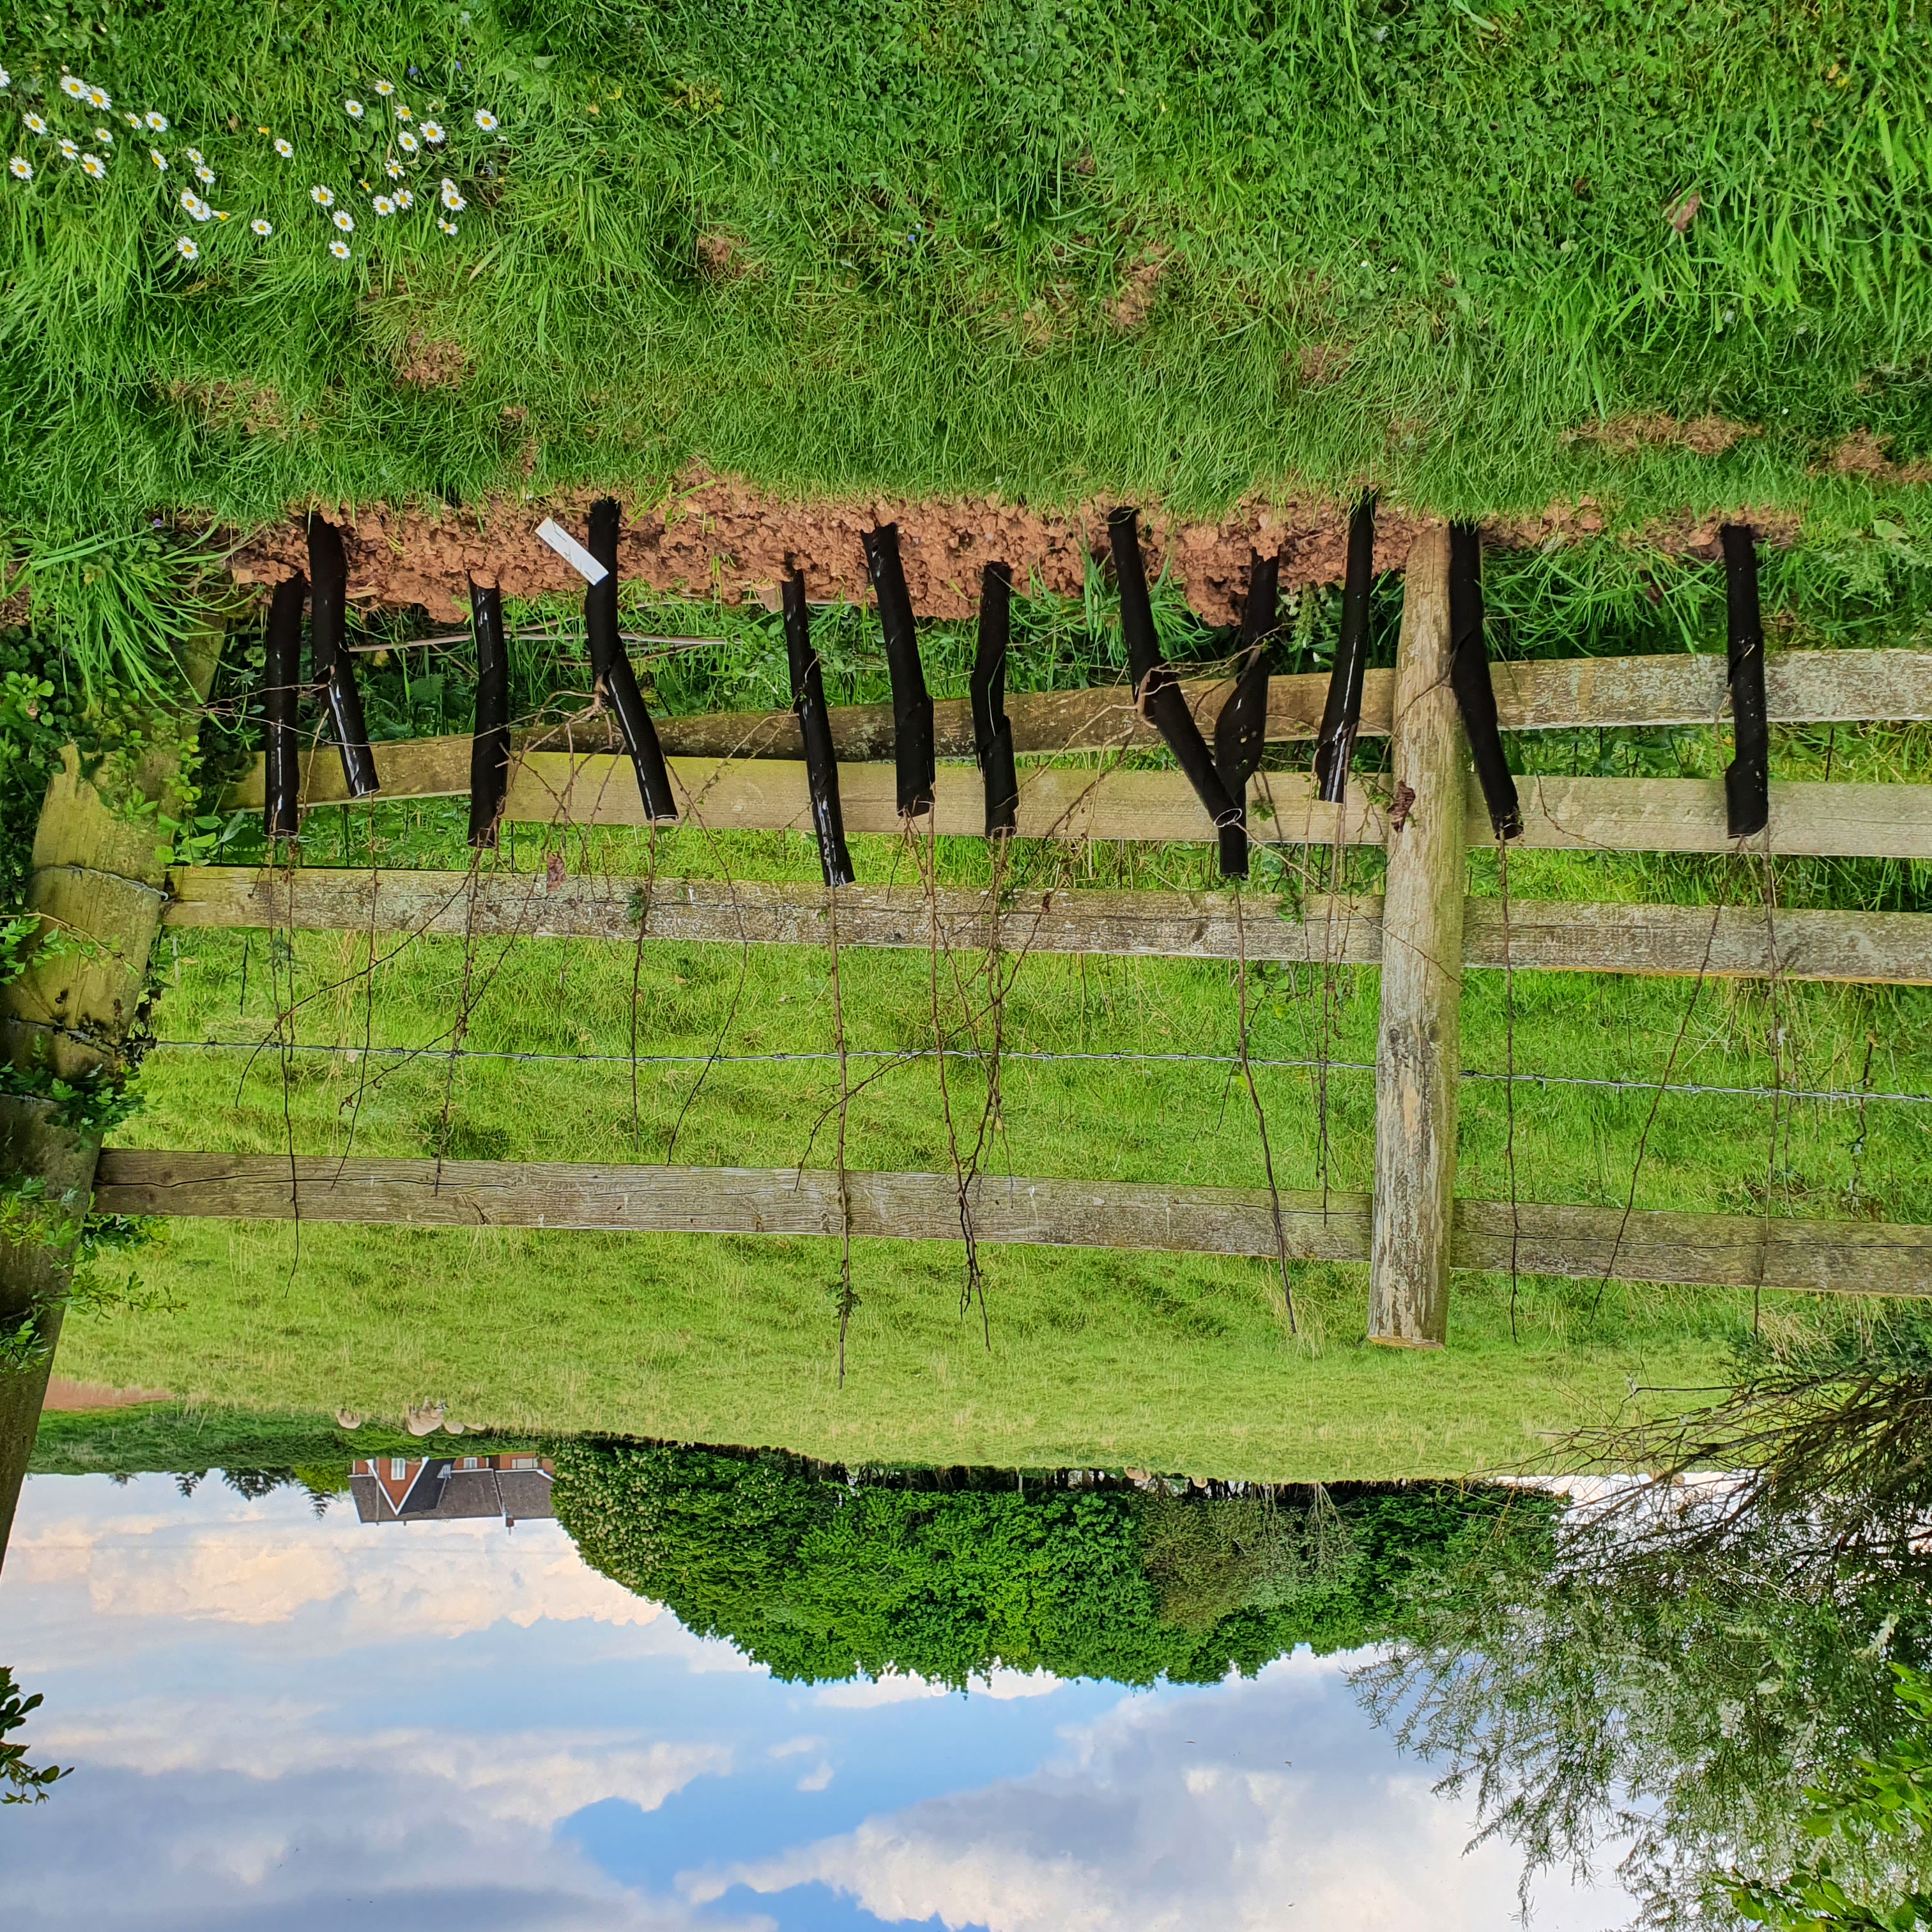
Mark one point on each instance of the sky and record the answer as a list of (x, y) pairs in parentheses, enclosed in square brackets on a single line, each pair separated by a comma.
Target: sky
[(280, 1723)]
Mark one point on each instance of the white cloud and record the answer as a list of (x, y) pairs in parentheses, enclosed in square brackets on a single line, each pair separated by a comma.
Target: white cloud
[(865, 1693), (817, 1780), (794, 1747), (1174, 1812)]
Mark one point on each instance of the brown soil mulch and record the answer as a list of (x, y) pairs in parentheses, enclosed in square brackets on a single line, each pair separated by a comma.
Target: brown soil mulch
[(65, 1396), (1702, 436), (716, 537)]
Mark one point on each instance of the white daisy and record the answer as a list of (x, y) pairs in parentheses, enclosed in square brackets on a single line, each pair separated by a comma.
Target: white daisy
[(97, 96), (323, 197), (285, 149), (205, 175), (221, 214), (158, 122), (133, 120), (386, 88), (383, 205), (340, 250), (193, 155), (404, 199), (486, 120), (20, 169), (35, 125), (393, 169), (105, 136), (73, 87), (160, 160), (402, 113), (258, 227), (344, 220), (407, 141), (452, 200), (69, 150), (432, 132), (447, 227), (186, 249), (354, 109), (195, 206), (6, 79), (93, 166)]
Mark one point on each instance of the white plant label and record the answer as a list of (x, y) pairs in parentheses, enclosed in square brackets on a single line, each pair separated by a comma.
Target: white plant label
[(572, 552)]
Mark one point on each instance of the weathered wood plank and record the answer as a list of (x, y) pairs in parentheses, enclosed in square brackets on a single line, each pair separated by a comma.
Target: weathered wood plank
[(1418, 1062), (1847, 1258), (1801, 687), (1069, 804), (1729, 942)]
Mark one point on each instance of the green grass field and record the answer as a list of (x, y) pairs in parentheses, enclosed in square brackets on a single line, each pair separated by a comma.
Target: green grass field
[(1186, 252)]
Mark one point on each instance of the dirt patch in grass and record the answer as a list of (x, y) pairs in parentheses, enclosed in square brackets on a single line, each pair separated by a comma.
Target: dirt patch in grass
[(723, 257), (1862, 454), (256, 409), (1653, 429), (1139, 286), (1318, 364), (428, 362), (65, 1396), (716, 537)]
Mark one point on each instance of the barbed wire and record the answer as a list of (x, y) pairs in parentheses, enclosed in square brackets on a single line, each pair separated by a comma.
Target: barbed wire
[(1849, 1095)]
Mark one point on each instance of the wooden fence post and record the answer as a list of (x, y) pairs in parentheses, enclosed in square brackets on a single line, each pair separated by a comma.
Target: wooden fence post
[(1417, 1068), (98, 876)]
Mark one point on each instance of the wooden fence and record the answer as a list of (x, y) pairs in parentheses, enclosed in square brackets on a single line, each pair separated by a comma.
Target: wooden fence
[(741, 772)]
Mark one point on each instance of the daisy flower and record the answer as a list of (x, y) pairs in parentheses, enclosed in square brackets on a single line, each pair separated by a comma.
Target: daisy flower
[(258, 227), (160, 160), (97, 96), (193, 155), (432, 132), (105, 136), (285, 149), (6, 79), (186, 249), (195, 206), (452, 200), (323, 197), (386, 88), (340, 250), (354, 109), (344, 220), (94, 167), (404, 199), (205, 175), (35, 125), (69, 150), (393, 169), (20, 169), (486, 120), (447, 227), (133, 120), (407, 141), (383, 205), (402, 113), (158, 122), (73, 87)]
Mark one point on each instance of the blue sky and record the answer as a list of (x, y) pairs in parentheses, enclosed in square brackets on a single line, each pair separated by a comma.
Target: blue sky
[(282, 1724)]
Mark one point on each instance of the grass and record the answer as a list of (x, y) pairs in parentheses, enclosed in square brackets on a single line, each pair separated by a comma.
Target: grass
[(1181, 252)]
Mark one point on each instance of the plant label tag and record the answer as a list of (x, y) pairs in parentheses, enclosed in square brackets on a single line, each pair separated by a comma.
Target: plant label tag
[(572, 552)]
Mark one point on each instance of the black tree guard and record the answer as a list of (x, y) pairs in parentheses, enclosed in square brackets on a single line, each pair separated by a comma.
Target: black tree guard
[(1342, 714), (1469, 674), (814, 725), (1747, 777), (281, 689), (1241, 732), (330, 664), (992, 729), (912, 703), (1157, 690), (616, 681), (490, 747)]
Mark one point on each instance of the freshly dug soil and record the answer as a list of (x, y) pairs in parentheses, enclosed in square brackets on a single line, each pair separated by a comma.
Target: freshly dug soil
[(715, 537)]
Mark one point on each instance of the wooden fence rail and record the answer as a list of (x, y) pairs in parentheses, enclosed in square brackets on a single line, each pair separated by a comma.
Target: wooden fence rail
[(1580, 815), (1800, 687), (1829, 1257), (1729, 942)]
